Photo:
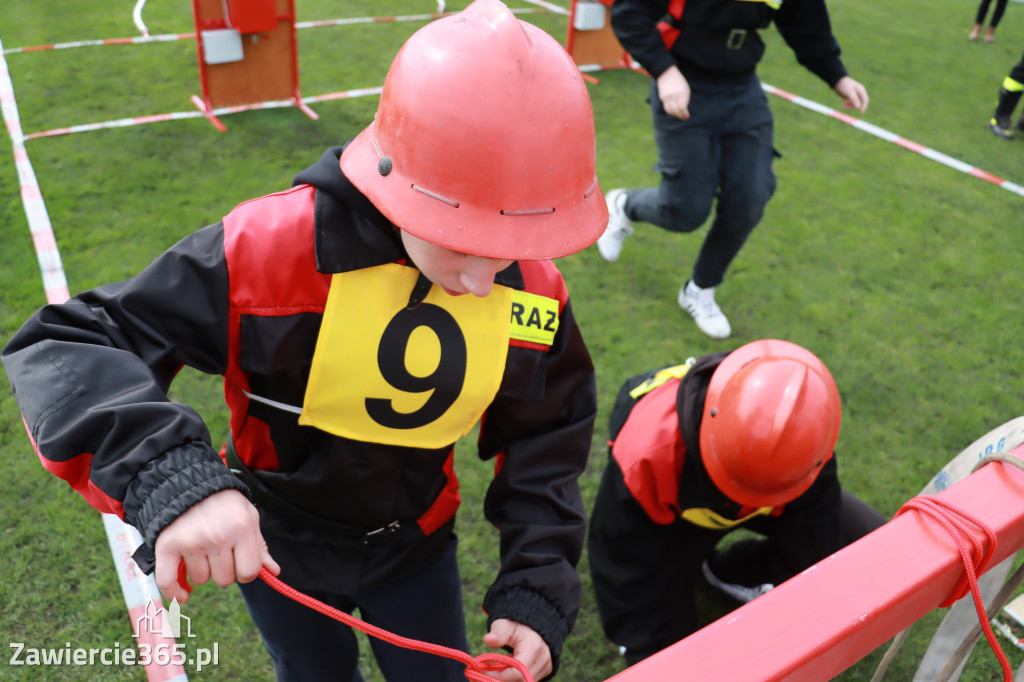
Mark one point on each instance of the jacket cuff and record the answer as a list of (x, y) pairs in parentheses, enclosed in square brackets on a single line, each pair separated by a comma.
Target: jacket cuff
[(662, 64), (167, 486), (831, 72), (532, 609)]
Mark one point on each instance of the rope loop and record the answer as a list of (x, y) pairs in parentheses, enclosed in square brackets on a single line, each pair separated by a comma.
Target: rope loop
[(956, 660), (975, 559), (476, 668)]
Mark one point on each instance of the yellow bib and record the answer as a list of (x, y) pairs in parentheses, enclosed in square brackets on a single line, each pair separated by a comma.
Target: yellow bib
[(413, 377)]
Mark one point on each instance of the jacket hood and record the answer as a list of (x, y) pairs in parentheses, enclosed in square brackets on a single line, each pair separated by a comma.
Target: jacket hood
[(350, 232), (696, 488)]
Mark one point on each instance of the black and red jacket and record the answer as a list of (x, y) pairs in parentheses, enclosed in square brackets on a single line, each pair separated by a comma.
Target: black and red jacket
[(244, 299), (718, 40), (653, 481), (660, 462)]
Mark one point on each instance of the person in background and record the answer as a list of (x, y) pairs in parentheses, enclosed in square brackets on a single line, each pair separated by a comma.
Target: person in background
[(363, 320), (712, 125), (733, 440), (1001, 123), (979, 20)]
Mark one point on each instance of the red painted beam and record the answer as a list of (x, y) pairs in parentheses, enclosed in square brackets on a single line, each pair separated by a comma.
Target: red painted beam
[(824, 620)]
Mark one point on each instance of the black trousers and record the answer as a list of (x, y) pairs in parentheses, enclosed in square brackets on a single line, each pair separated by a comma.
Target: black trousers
[(722, 152), (307, 646), (997, 15), (645, 574)]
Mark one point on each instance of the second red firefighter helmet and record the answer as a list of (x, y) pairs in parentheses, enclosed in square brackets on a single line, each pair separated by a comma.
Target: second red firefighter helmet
[(484, 141), (771, 421)]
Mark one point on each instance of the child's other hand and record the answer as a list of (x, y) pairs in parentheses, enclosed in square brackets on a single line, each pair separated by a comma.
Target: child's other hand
[(527, 646)]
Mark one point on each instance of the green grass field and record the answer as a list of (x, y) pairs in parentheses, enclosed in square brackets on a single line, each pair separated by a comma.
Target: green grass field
[(900, 273)]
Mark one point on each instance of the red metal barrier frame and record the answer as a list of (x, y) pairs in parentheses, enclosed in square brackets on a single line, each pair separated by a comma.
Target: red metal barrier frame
[(835, 613)]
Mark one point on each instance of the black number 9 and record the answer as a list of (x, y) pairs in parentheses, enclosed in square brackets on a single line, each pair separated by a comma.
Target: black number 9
[(445, 381)]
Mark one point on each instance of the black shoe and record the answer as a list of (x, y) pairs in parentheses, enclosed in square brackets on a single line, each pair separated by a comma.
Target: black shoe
[(1000, 127)]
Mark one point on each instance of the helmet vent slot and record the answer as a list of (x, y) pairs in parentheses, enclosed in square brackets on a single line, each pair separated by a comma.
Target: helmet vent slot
[(435, 195), (528, 211)]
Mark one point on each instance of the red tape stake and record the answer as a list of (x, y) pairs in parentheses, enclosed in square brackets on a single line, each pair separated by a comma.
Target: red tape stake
[(476, 668)]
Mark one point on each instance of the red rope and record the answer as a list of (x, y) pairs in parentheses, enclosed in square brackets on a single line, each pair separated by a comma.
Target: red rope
[(975, 560), (476, 668)]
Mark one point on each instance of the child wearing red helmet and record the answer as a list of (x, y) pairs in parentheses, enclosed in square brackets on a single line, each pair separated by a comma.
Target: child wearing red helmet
[(740, 439), (364, 320)]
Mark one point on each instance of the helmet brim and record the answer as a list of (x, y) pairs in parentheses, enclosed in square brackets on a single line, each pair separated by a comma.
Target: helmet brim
[(519, 234)]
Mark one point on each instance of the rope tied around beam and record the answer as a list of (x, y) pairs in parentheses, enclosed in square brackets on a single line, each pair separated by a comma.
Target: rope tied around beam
[(975, 559), (952, 520)]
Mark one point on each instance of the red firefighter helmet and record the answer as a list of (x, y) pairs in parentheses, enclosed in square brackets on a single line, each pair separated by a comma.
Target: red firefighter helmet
[(771, 421), (483, 142)]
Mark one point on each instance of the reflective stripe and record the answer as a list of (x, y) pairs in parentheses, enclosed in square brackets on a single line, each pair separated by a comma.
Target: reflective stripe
[(1011, 85), (272, 403), (706, 518), (675, 372)]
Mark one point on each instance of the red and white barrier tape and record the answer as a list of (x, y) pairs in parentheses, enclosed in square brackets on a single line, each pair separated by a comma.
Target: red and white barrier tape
[(168, 37), (50, 265), (370, 20), (866, 127), (137, 17), (859, 124), (163, 38), (178, 115), (151, 625), (141, 595), (549, 7)]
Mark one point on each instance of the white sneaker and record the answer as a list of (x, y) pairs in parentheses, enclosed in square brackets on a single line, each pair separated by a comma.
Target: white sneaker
[(700, 303), (619, 226), (740, 593)]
